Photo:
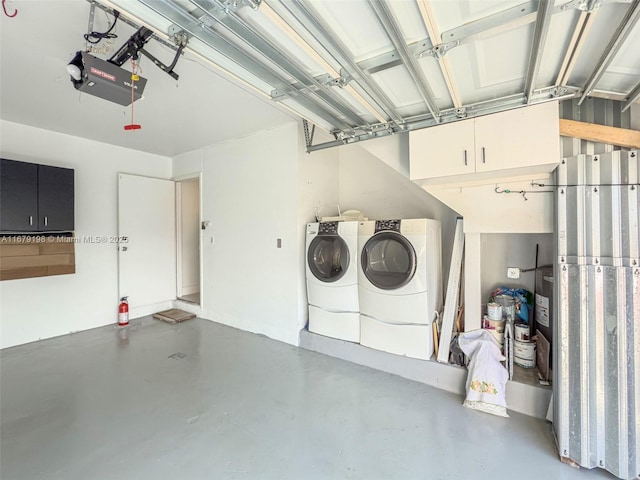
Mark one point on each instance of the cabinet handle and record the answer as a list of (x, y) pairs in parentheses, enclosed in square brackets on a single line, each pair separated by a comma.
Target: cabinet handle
[(46, 221), (483, 156), (30, 220), (465, 158)]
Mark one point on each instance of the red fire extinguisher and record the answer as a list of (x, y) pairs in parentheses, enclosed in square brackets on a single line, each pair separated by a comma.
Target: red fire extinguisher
[(123, 312)]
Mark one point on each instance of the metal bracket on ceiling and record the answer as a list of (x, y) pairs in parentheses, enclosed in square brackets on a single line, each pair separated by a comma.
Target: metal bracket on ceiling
[(556, 91), (584, 5), (308, 137), (235, 5), (179, 36), (124, 19), (342, 81), (461, 112), (438, 51), (324, 79), (561, 91)]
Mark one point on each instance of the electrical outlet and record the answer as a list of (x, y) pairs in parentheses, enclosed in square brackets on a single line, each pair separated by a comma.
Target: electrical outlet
[(513, 272)]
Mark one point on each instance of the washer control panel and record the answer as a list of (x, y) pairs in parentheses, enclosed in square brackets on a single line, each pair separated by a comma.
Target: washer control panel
[(388, 225), (328, 228)]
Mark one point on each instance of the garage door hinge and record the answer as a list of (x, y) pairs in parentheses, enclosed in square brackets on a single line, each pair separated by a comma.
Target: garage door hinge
[(438, 51)]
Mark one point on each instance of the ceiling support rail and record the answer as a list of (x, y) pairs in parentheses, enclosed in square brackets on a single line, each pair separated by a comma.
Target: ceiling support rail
[(428, 17), (543, 20), (216, 10), (339, 52), (634, 96), (393, 30), (212, 39), (580, 33), (626, 25), (453, 114)]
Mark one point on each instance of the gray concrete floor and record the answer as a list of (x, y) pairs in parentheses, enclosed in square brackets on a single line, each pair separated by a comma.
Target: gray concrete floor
[(199, 400), (191, 298)]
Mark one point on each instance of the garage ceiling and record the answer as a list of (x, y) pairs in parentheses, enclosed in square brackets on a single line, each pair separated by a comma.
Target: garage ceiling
[(368, 68)]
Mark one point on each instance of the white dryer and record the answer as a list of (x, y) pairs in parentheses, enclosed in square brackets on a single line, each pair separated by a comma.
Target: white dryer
[(399, 285), (332, 279)]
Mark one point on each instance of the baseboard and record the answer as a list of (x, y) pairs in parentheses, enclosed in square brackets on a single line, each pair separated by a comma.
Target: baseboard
[(190, 290)]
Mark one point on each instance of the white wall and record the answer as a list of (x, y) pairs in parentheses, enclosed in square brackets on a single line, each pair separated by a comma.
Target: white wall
[(38, 308), (484, 210), (501, 250), (372, 185), (250, 196), (190, 236)]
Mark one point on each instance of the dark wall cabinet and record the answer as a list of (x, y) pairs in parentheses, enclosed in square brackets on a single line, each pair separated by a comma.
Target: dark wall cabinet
[(36, 198)]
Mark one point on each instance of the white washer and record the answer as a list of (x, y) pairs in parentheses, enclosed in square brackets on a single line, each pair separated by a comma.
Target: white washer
[(332, 279), (399, 285)]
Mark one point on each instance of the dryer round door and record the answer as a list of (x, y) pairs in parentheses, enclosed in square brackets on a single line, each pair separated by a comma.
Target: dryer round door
[(388, 260), (328, 258)]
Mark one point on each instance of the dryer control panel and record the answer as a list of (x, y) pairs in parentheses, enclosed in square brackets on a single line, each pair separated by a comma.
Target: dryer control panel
[(328, 228), (387, 225)]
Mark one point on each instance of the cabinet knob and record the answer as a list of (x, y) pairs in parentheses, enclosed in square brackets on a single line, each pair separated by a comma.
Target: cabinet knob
[(30, 220), (465, 158), (483, 156)]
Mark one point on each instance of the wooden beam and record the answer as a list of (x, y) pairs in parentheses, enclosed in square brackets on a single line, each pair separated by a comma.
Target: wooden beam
[(621, 137)]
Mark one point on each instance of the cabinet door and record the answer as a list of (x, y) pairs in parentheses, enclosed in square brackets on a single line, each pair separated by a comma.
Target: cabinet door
[(18, 196), (522, 137), (442, 151), (55, 199)]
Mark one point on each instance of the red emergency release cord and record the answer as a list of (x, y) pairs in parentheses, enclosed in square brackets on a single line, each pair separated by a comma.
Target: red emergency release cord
[(134, 76), (4, 9)]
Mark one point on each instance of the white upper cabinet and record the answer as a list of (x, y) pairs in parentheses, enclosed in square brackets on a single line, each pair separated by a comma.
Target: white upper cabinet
[(518, 142), (442, 151)]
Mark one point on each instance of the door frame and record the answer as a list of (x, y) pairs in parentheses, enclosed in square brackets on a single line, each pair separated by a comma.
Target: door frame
[(178, 183)]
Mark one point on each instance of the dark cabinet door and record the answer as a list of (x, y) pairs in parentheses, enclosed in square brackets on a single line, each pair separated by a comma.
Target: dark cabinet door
[(55, 199), (18, 196)]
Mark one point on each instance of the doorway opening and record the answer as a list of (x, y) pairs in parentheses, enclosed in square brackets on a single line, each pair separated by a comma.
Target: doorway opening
[(188, 240)]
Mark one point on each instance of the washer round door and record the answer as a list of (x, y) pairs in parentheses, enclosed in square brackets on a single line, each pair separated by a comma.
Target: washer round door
[(388, 260), (328, 258)]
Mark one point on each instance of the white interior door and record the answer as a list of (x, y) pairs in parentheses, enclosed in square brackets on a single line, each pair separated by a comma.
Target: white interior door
[(147, 261)]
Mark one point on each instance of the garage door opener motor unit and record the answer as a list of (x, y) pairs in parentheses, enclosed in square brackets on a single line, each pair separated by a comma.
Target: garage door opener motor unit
[(106, 79)]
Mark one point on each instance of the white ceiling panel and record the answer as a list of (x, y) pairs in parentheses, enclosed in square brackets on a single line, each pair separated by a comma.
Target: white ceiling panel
[(624, 72), (399, 86), (562, 25), (604, 26), (408, 16), (454, 13), (356, 25)]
